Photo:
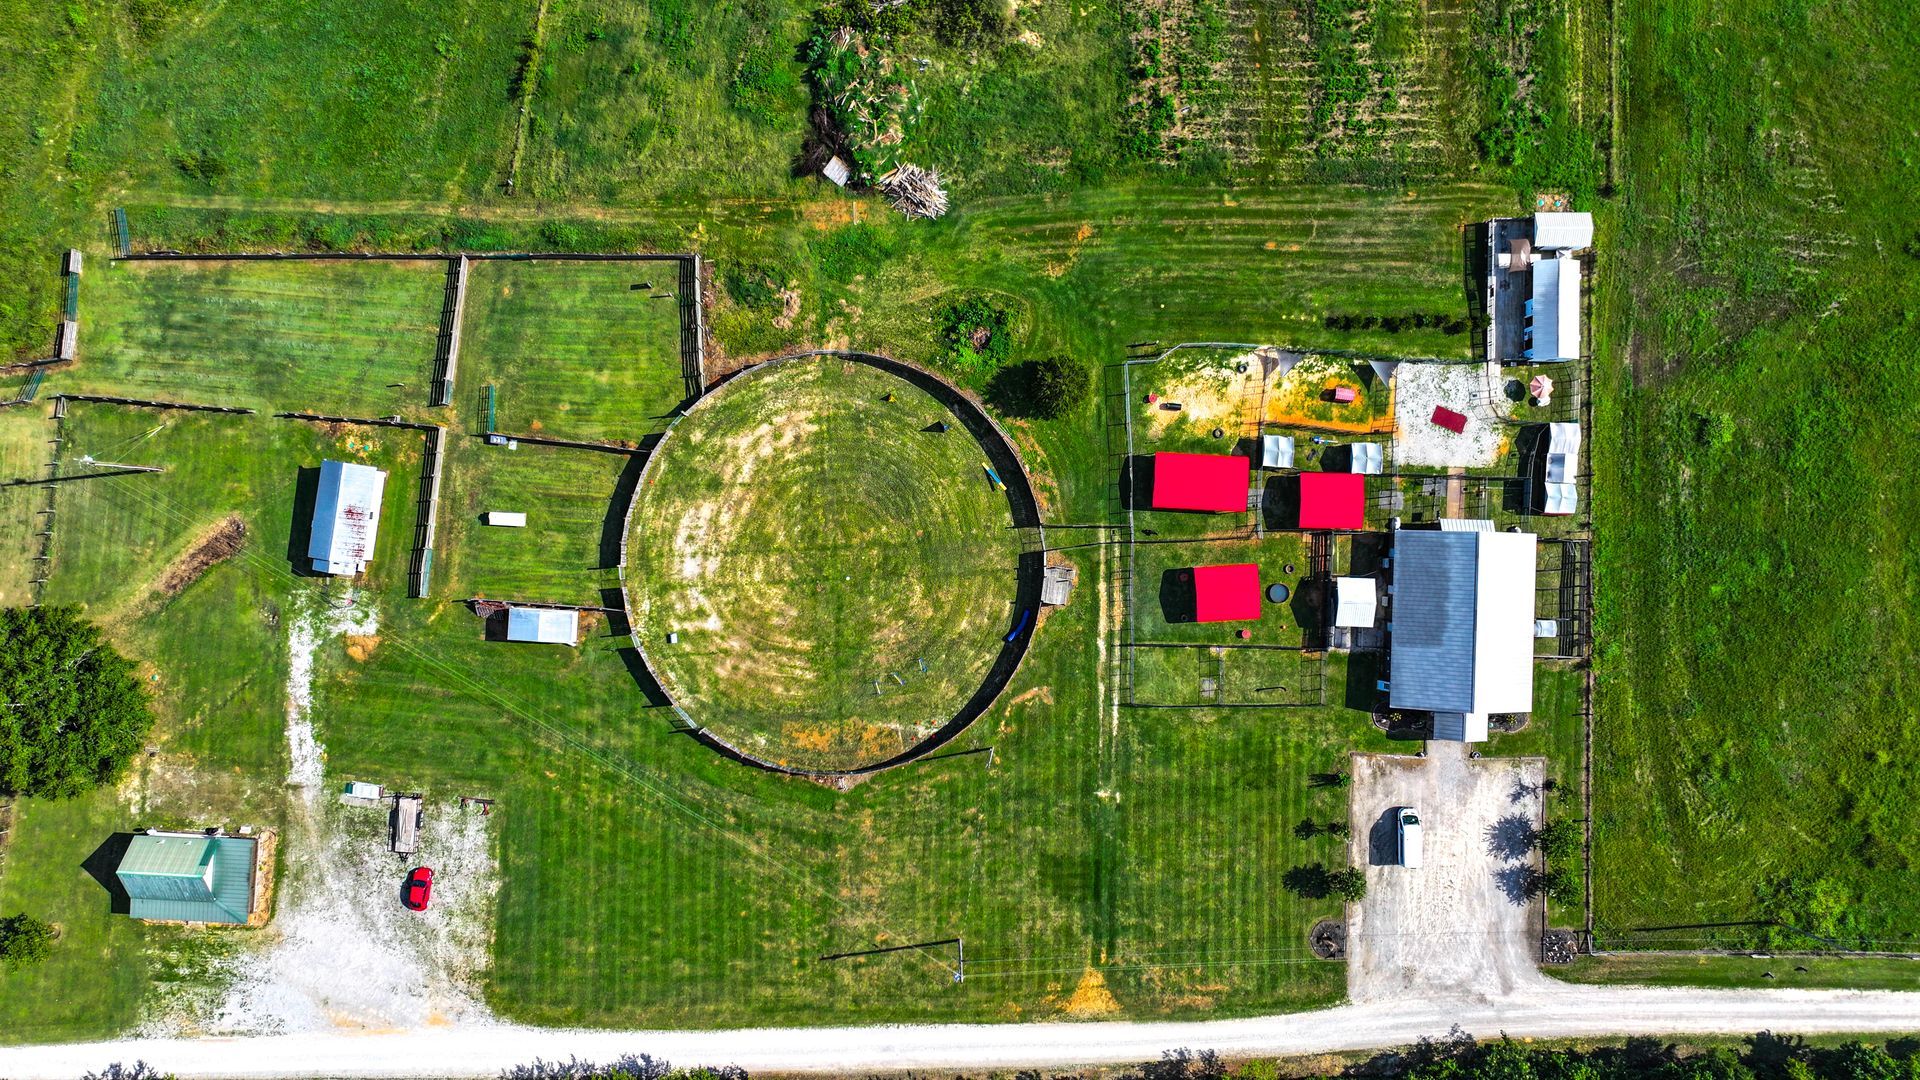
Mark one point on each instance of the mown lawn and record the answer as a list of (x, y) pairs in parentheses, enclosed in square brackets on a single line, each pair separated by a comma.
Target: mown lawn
[(347, 338), (1756, 746), (575, 350)]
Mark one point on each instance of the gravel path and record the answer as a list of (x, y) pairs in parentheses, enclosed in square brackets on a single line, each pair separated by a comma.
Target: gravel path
[(1553, 1010)]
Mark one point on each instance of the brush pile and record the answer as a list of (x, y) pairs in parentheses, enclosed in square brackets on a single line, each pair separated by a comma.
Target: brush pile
[(914, 191)]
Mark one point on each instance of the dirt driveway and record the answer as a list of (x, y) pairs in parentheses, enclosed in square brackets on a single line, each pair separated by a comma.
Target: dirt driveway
[(1460, 926)]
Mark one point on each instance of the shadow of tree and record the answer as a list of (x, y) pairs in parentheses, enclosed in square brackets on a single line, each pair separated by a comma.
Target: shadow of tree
[(1518, 881), (1511, 838)]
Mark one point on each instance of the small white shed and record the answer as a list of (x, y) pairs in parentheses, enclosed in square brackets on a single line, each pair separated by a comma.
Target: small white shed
[(1354, 601), (1562, 231), (1276, 451), (546, 626), (506, 518), (1368, 458)]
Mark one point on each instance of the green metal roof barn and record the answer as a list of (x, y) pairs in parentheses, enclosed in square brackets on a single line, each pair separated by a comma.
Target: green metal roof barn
[(188, 877)]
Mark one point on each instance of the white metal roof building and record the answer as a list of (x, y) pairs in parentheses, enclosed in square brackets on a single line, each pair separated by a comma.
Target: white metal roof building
[(1562, 231), (1551, 330), (346, 517), (1462, 627), (547, 626)]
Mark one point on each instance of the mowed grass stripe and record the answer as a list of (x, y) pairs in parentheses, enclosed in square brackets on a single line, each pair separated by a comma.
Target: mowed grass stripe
[(354, 338)]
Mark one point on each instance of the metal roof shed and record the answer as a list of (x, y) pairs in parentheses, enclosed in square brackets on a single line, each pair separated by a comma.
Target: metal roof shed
[(547, 626), (1552, 327), (1562, 231), (346, 517), (1462, 627), (189, 877)]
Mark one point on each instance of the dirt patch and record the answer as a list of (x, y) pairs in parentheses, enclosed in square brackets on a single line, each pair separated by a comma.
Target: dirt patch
[(1298, 399), (1328, 939), (1091, 998), (1207, 398), (789, 309), (221, 542), (361, 646), (1042, 694)]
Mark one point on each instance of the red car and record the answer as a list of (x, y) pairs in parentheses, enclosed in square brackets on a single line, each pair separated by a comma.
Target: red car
[(418, 889)]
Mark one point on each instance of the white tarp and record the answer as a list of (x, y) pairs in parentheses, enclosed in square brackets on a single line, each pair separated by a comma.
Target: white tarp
[(1355, 600), (1561, 470), (1367, 458), (1276, 451), (1562, 231), (550, 626)]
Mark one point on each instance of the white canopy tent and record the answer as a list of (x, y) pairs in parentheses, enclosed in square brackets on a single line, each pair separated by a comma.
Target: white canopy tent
[(1559, 469), (1355, 600)]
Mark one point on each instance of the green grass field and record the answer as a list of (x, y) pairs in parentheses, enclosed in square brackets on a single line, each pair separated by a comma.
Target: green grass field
[(839, 574), (264, 335), (1756, 740), (572, 348)]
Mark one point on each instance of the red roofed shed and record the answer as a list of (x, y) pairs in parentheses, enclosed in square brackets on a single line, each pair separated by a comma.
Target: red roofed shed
[(1214, 482), (1226, 593), (1333, 500)]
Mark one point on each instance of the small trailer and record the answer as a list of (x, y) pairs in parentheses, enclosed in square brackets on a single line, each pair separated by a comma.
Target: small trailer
[(408, 819), (505, 518)]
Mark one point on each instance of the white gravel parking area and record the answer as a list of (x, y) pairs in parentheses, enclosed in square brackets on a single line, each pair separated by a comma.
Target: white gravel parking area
[(1460, 925)]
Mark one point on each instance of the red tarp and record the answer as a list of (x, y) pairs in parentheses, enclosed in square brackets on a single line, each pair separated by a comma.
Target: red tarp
[(1215, 482), (1333, 500), (1226, 593), (1447, 418)]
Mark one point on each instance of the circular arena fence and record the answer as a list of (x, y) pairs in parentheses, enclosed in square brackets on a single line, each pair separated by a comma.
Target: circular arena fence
[(1025, 510)]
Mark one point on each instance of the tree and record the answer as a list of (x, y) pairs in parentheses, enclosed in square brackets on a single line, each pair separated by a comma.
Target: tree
[(1047, 389), (71, 712), (1559, 839), (24, 940), (1349, 884), (1558, 883)]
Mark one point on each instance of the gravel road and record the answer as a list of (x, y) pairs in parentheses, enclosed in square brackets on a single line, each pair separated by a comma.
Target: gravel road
[(1547, 1011)]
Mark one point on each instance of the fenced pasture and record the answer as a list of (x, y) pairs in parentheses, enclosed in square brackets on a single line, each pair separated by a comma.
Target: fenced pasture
[(570, 548), (338, 336), (585, 350), (829, 545), (1214, 676)]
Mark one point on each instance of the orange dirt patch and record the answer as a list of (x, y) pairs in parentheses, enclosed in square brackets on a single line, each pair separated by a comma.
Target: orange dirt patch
[(1091, 998), (1042, 694), (361, 646)]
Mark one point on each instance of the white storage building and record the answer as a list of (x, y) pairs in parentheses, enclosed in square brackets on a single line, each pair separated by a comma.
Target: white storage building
[(1551, 330), (346, 517), (1562, 231)]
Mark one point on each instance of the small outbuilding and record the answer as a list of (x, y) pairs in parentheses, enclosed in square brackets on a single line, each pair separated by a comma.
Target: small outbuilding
[(1333, 500), (1559, 465), (546, 626), (346, 517), (1056, 585), (1276, 451), (1562, 231), (506, 519), (1355, 601), (189, 877), (1211, 483), (1229, 593)]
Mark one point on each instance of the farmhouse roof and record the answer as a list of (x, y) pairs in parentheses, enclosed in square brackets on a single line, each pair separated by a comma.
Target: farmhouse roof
[(1462, 625), (346, 517), (1333, 500), (1229, 593), (187, 877), (551, 626), (1209, 482)]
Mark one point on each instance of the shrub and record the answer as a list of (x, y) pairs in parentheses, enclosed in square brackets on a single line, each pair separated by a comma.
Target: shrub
[(976, 331), (1558, 883), (1047, 389), (750, 285), (1560, 839), (1349, 884), (971, 23), (24, 940), (75, 713)]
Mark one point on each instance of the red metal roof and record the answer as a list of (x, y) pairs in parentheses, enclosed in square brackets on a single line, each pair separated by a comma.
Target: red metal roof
[(1333, 500), (1213, 482), (1447, 418), (1226, 593)]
